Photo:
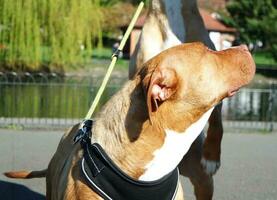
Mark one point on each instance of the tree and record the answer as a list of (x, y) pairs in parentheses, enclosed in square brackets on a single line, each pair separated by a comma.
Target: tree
[(256, 21), (55, 33)]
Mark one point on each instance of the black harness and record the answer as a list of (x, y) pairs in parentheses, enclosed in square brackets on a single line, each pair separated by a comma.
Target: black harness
[(105, 178)]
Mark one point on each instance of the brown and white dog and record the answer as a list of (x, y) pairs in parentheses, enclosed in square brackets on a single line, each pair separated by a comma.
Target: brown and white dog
[(150, 124), (169, 23)]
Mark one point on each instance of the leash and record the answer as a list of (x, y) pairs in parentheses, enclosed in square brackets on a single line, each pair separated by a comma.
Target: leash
[(114, 59)]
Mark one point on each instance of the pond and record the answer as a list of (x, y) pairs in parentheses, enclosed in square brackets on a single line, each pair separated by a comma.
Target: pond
[(48, 97), (71, 97)]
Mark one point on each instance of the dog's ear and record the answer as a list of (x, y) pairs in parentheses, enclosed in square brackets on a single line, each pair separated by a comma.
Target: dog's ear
[(160, 85)]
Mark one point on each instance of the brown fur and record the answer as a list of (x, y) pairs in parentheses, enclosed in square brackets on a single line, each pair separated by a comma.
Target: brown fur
[(153, 34), (123, 127)]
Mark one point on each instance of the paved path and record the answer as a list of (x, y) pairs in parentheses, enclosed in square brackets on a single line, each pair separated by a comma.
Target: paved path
[(248, 171)]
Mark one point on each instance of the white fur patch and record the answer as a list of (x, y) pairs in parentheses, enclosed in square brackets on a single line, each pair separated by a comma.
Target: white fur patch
[(152, 46), (210, 166), (171, 39), (175, 146)]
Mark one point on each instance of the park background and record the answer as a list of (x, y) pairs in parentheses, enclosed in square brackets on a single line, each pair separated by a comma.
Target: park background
[(54, 54)]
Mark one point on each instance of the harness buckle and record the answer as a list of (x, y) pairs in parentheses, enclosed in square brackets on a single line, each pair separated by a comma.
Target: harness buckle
[(84, 133), (117, 53)]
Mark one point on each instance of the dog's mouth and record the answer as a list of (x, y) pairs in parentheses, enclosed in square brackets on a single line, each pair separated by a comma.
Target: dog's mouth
[(233, 92)]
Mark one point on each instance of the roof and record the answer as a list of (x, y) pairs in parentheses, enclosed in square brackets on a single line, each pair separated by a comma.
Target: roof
[(211, 23)]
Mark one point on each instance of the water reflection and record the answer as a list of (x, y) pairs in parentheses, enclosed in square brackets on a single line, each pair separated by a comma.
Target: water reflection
[(71, 98), (67, 98)]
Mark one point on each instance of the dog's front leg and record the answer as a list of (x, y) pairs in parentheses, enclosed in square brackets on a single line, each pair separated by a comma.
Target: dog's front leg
[(203, 186), (212, 145)]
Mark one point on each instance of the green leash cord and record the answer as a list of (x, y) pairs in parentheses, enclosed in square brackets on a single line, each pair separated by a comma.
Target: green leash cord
[(112, 64)]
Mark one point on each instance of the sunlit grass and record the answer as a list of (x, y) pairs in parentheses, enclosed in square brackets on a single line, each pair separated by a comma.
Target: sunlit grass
[(105, 54), (264, 58)]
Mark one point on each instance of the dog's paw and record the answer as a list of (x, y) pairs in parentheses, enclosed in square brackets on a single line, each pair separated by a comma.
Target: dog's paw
[(210, 166)]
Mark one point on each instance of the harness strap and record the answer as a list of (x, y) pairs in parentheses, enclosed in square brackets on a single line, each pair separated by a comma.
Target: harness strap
[(84, 137), (91, 183), (110, 182)]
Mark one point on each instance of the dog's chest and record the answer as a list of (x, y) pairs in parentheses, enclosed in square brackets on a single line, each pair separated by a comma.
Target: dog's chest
[(174, 148)]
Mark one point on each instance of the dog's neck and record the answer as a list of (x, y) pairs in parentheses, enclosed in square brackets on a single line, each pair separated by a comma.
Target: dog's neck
[(139, 148)]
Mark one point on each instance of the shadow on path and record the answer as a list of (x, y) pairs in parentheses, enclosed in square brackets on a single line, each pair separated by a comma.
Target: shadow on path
[(13, 191)]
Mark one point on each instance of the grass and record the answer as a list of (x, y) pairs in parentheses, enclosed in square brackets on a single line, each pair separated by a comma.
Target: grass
[(105, 53), (264, 58), (100, 60)]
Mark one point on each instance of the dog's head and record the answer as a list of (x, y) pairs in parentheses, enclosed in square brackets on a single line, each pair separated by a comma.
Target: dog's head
[(192, 78)]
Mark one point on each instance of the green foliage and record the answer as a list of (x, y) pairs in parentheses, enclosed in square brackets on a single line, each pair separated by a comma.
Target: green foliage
[(264, 58), (255, 20), (52, 33)]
